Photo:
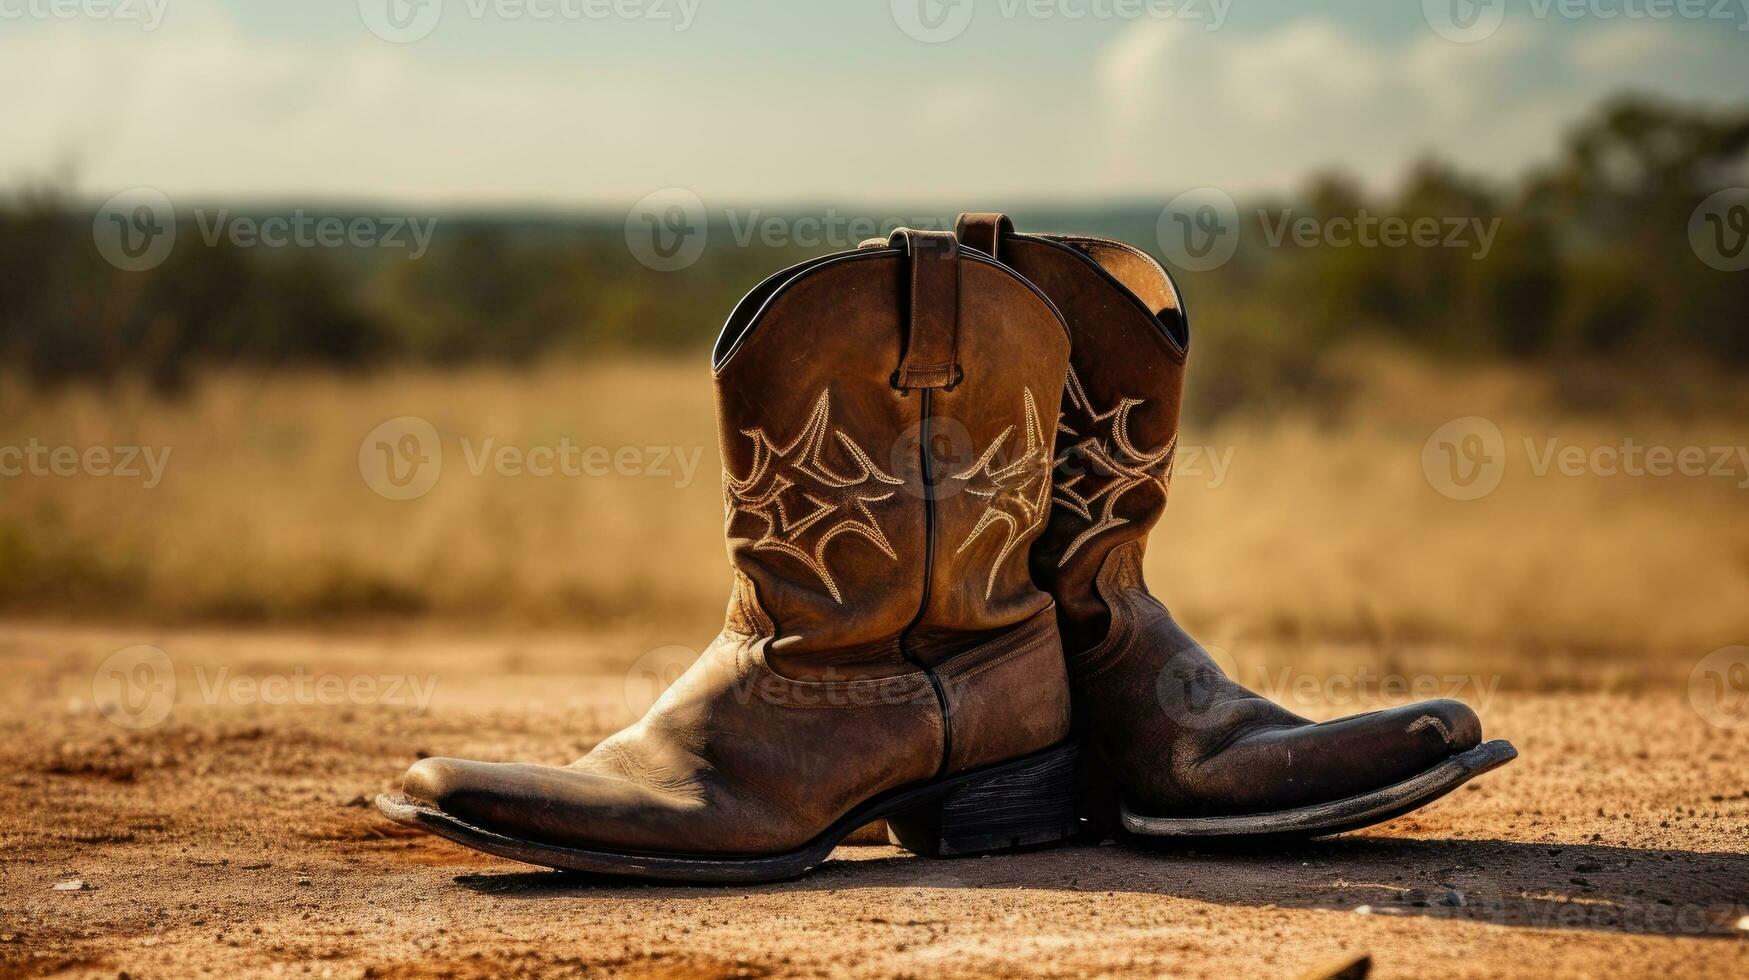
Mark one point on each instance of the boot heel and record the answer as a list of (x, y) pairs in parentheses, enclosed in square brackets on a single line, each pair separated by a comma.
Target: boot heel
[(1028, 803)]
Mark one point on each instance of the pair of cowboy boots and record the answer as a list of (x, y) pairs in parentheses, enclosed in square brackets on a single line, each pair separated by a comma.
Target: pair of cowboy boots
[(942, 455)]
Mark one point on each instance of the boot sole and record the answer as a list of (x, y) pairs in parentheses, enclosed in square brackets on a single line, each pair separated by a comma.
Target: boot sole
[(1336, 817), (1027, 802)]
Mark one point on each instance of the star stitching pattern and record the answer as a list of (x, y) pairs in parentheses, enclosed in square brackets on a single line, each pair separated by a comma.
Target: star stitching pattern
[(796, 492), (1108, 448), (1018, 493)]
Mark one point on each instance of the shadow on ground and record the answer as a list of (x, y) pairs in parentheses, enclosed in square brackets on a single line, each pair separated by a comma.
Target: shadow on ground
[(1593, 887)]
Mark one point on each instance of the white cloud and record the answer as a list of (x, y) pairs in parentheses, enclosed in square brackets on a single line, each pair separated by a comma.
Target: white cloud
[(1257, 112)]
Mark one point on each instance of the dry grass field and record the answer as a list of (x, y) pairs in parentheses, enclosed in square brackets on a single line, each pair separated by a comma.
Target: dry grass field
[(1309, 534)]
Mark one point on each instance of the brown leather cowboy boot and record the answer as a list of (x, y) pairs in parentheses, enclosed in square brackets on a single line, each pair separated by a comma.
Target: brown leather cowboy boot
[(886, 653), (1187, 751)]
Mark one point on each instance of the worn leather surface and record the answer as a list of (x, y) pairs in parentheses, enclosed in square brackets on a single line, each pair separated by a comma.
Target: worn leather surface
[(1177, 734), (883, 628)]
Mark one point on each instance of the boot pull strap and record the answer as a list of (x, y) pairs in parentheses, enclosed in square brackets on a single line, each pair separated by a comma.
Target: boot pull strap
[(932, 323), (983, 230)]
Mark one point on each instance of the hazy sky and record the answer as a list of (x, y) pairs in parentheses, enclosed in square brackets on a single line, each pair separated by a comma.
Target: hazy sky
[(816, 100)]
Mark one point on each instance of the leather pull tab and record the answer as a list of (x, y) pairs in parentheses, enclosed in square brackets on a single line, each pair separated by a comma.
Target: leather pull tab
[(932, 321), (983, 230)]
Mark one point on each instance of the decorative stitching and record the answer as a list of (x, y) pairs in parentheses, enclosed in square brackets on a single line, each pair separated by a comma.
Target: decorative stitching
[(967, 665), (1426, 721), (1111, 452), (799, 469), (1012, 501)]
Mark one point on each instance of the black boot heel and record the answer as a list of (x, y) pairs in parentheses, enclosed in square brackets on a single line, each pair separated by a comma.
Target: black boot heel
[(1030, 802)]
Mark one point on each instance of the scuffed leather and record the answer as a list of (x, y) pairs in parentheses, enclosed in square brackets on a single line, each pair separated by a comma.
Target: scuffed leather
[(1006, 699), (733, 759), (1178, 736), (818, 693), (1183, 738)]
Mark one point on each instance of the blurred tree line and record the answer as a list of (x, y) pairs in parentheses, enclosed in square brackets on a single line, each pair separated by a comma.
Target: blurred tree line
[(1590, 258)]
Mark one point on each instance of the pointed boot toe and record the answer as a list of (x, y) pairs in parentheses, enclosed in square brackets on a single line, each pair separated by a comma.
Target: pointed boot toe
[(1177, 748), (886, 653)]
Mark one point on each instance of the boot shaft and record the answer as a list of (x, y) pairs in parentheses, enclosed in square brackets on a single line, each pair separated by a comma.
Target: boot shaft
[(886, 418), (1118, 435)]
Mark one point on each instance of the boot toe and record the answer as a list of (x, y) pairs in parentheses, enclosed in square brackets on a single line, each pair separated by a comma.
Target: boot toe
[(1285, 767), (435, 781)]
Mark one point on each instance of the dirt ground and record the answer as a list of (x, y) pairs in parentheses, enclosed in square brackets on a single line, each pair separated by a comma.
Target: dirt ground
[(232, 837)]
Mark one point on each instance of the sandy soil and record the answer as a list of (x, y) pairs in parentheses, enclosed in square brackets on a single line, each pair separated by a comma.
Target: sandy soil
[(232, 838)]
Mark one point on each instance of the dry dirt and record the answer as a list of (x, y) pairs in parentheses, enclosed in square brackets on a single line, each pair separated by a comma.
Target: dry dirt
[(232, 838)]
